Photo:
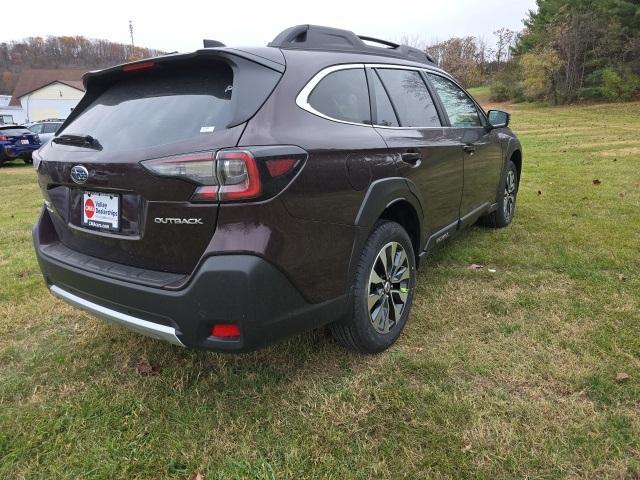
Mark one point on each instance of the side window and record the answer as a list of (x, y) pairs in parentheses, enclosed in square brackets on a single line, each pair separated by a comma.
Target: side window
[(410, 96), (50, 127), (460, 108), (343, 95), (36, 128), (384, 114)]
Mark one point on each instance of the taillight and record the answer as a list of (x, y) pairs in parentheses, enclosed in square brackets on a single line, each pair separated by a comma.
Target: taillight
[(195, 167), (4, 138), (252, 173), (238, 175)]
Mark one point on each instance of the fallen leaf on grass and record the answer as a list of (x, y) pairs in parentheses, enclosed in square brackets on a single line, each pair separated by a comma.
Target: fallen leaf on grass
[(466, 448), (596, 181), (143, 367), (622, 377), (621, 277), (475, 266), (196, 475)]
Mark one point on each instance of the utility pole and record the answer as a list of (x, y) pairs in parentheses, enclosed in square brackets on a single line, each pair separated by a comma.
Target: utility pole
[(133, 48)]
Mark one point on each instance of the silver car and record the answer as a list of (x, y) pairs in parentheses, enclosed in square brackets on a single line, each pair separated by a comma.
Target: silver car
[(46, 129)]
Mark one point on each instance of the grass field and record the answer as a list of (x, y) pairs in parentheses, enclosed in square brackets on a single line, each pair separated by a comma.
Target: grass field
[(505, 374)]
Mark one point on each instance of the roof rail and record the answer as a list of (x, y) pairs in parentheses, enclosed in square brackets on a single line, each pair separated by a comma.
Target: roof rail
[(315, 37)]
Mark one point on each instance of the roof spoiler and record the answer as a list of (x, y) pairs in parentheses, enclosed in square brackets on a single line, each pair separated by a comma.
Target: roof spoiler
[(315, 37)]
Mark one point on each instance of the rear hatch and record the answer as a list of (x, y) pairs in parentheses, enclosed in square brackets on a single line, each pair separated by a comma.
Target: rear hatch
[(102, 200), (17, 136)]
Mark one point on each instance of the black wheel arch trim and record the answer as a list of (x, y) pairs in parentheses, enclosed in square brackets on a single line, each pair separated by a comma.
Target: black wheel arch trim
[(513, 145), (380, 195)]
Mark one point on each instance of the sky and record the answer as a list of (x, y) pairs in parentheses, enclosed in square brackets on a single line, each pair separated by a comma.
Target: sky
[(181, 25)]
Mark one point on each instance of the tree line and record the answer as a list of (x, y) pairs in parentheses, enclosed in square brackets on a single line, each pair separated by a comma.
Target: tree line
[(62, 52), (568, 51)]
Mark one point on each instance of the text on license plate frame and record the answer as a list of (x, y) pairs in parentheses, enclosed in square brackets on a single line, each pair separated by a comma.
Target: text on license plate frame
[(101, 210)]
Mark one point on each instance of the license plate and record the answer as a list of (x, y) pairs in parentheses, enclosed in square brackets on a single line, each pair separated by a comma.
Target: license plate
[(101, 210), (24, 142)]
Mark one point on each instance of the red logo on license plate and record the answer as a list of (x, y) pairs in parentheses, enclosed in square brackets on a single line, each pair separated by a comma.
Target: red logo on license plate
[(89, 208)]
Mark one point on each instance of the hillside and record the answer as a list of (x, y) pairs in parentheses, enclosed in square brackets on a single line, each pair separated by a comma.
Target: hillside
[(62, 52)]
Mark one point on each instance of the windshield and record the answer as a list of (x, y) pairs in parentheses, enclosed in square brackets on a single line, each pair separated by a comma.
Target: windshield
[(159, 107)]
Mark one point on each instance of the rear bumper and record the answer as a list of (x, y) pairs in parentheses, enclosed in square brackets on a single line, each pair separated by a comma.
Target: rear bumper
[(242, 289), (150, 329), (19, 151)]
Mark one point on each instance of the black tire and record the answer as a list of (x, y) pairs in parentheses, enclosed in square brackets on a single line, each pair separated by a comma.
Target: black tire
[(368, 332), (506, 205)]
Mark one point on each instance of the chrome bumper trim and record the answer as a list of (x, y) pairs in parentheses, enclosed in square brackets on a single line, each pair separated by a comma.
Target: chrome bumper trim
[(144, 327)]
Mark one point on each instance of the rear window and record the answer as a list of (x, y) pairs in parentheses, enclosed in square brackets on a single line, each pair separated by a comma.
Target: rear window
[(15, 131), (160, 107)]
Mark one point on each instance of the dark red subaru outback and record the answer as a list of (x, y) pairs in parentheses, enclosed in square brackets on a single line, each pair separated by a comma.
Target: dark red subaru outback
[(226, 198)]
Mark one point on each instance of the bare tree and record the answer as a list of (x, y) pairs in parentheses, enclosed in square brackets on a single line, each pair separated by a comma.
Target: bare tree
[(460, 57), (505, 39)]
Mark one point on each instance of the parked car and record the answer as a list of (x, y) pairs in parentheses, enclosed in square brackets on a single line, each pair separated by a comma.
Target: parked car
[(17, 141), (46, 129), (224, 199)]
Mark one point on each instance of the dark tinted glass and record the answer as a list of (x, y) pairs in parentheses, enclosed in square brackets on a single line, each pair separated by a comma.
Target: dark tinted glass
[(15, 131), (159, 108), (411, 98), (37, 128), (460, 108), (384, 111), (343, 95)]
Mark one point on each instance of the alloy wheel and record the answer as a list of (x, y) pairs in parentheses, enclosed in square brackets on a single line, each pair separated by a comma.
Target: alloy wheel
[(388, 287), (509, 203)]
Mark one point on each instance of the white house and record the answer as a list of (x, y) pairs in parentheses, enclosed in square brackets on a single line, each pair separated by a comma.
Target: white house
[(10, 114), (43, 94)]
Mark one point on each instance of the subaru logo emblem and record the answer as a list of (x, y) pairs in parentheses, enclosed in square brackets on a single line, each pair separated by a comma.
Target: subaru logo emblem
[(79, 174)]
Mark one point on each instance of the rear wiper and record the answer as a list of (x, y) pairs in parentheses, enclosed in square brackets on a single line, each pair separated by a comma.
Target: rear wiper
[(78, 141)]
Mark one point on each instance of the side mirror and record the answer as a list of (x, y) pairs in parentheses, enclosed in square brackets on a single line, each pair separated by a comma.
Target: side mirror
[(498, 118)]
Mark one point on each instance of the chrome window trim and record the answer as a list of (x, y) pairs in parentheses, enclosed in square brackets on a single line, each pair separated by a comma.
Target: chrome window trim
[(144, 327), (302, 100)]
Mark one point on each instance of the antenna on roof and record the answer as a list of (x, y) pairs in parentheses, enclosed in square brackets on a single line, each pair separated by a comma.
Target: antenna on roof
[(212, 43)]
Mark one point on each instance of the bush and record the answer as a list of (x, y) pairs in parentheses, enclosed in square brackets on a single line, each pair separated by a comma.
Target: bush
[(507, 84), (611, 84)]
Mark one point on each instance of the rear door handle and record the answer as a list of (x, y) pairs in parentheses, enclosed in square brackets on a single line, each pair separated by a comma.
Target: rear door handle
[(411, 157), (470, 149)]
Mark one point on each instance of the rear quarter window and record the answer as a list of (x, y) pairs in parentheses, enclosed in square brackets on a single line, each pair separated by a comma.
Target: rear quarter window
[(343, 95)]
